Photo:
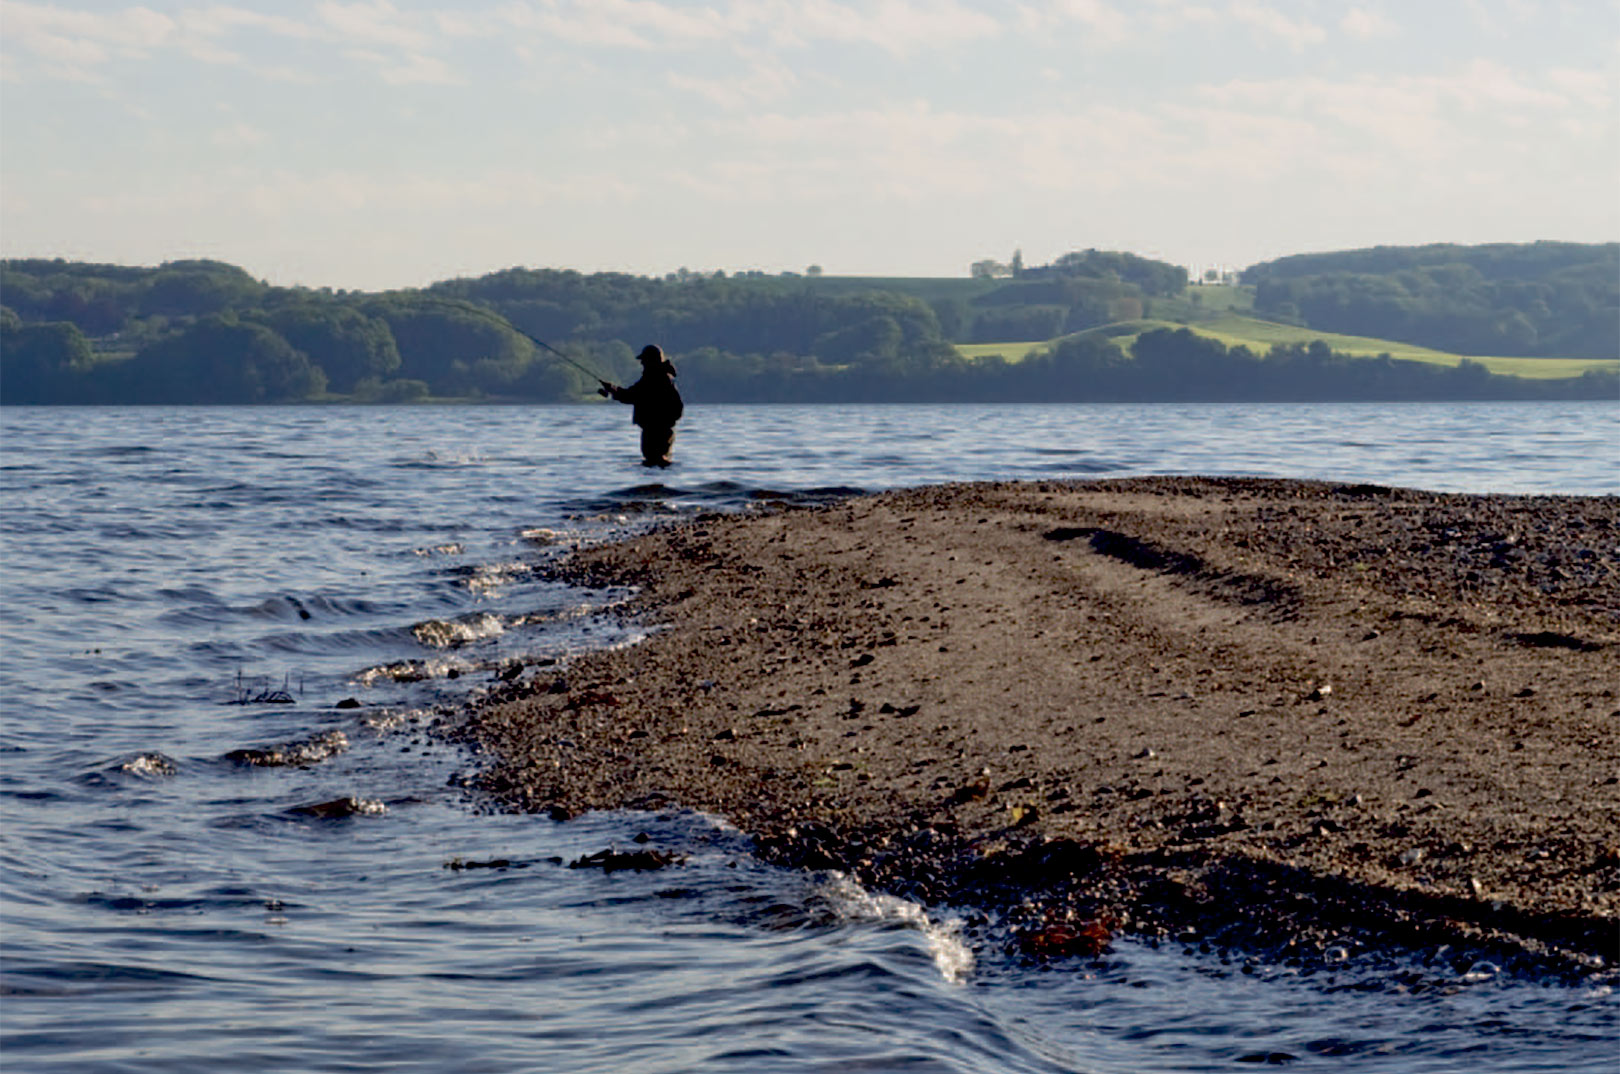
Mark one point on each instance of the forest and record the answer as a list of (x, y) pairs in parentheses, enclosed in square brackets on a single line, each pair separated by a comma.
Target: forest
[(1545, 299), (206, 332)]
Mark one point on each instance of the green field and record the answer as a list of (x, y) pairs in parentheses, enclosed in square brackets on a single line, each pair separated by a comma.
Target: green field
[(1235, 330), (1218, 311), (1013, 352)]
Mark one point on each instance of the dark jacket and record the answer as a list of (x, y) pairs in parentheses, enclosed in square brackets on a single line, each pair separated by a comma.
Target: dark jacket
[(657, 402)]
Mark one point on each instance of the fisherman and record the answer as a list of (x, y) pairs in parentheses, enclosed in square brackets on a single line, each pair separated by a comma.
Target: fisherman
[(657, 404)]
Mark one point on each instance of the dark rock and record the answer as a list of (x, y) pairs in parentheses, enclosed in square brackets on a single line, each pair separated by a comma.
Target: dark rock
[(641, 861)]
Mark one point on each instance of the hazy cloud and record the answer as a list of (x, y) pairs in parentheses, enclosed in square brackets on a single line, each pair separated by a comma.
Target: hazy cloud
[(409, 69), (238, 136), (1365, 22), (378, 23), (1297, 34), (766, 80)]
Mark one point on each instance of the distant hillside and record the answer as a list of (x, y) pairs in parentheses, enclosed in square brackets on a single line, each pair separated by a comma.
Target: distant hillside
[(1540, 299), (208, 332), (1261, 336)]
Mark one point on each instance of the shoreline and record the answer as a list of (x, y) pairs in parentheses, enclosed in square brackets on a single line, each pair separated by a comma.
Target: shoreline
[(1292, 717)]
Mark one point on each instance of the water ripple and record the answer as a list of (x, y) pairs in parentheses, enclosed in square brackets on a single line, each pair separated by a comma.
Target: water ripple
[(169, 570)]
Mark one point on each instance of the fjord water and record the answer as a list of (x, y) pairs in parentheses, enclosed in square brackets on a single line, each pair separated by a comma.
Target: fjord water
[(169, 574)]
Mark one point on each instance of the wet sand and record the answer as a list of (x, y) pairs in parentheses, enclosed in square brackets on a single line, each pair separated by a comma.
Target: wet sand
[(1291, 717)]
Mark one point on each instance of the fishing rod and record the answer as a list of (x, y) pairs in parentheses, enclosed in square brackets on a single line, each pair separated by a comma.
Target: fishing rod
[(491, 315)]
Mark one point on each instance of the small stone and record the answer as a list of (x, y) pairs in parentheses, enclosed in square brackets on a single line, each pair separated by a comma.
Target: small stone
[(348, 703), (1411, 856)]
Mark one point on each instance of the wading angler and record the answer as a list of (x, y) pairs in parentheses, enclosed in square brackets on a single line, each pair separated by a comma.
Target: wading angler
[(657, 405)]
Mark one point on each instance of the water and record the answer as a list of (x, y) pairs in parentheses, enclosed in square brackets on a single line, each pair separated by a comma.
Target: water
[(169, 571)]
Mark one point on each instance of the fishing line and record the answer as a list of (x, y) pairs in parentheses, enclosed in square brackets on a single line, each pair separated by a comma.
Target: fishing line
[(491, 315)]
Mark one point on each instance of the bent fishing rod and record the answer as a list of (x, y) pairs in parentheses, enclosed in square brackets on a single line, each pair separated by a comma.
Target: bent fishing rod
[(497, 318)]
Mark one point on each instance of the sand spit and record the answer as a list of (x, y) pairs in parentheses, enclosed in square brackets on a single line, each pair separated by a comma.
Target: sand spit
[(1298, 717)]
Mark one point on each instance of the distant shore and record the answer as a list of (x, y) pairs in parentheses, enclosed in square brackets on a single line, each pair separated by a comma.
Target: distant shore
[(1291, 716)]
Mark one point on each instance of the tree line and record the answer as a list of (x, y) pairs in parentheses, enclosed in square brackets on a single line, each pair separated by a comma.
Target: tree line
[(1544, 299), (207, 332)]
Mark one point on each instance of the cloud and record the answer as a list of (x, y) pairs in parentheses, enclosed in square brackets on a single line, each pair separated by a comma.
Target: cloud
[(900, 27), (1295, 33), (1366, 23), (135, 29), (80, 44), (912, 153), (238, 136), (641, 25), (1096, 16), (766, 80), (1180, 16), (75, 44), (375, 24), (413, 68)]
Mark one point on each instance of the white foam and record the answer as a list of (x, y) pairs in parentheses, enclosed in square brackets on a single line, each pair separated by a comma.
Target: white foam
[(447, 633), (151, 765), (407, 671), (490, 577), (951, 954)]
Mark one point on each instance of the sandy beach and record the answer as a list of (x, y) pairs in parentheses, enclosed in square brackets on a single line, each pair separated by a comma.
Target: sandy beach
[(1299, 718)]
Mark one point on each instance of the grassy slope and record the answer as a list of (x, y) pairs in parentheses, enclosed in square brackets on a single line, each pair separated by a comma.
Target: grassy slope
[(1234, 329), (1219, 312)]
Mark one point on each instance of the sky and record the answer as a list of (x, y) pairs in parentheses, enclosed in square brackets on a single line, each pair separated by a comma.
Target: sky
[(392, 143)]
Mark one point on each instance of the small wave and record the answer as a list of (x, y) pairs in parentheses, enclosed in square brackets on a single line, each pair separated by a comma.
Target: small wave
[(337, 808), (451, 633), (293, 754), (492, 577), (541, 535), (619, 504), (409, 671), (1081, 468), (281, 608), (950, 952), (390, 720), (149, 766), (98, 595), (117, 451), (807, 497), (105, 974), (442, 460), (454, 548)]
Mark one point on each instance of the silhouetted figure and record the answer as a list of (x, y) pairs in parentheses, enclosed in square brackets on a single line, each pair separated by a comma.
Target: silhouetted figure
[(657, 405)]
